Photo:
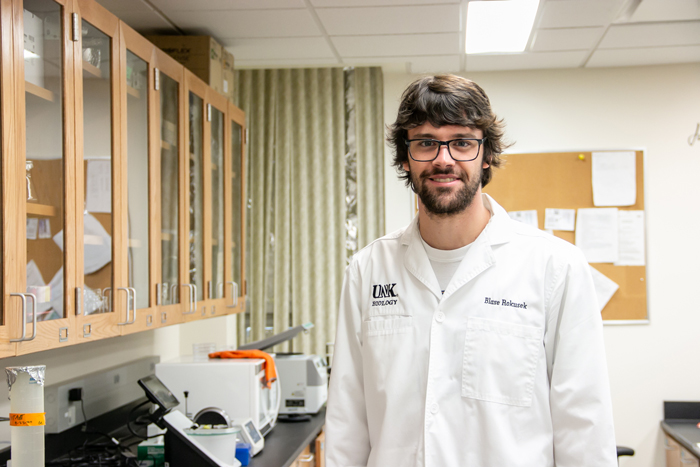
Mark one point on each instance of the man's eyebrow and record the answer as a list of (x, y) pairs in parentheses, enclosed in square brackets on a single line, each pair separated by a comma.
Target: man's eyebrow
[(455, 136)]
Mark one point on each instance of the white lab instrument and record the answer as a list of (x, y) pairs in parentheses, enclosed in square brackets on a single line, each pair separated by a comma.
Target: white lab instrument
[(186, 448), (236, 386), (250, 434), (304, 381)]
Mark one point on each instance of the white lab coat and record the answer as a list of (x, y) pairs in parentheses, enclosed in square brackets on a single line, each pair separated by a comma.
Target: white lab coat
[(506, 369)]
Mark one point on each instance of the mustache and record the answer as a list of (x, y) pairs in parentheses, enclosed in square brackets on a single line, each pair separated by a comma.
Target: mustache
[(434, 172)]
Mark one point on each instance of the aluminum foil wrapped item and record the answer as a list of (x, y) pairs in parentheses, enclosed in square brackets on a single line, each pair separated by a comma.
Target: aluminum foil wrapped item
[(27, 417)]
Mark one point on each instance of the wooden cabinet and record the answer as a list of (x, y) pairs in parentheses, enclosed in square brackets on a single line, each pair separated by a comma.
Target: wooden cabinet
[(687, 459), (122, 193), (677, 455), (313, 455), (320, 445), (673, 452)]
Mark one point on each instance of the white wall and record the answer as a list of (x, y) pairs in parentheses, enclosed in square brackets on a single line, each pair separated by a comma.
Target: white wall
[(652, 108)]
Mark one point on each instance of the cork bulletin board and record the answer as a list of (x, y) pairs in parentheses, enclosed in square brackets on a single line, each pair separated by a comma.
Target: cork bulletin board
[(563, 181)]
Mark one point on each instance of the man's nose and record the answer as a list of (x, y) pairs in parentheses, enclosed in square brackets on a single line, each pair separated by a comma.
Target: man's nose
[(444, 159)]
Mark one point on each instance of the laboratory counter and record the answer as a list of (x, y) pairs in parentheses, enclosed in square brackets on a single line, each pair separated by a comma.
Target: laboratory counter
[(283, 444), (287, 440), (681, 420)]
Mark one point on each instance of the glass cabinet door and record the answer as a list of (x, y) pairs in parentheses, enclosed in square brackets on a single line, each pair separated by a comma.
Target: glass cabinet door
[(169, 191), (237, 208), (196, 196), (97, 165), (138, 218), (216, 284), (45, 159)]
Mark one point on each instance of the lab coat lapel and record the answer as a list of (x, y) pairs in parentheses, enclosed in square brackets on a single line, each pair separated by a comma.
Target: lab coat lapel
[(416, 260), (480, 256)]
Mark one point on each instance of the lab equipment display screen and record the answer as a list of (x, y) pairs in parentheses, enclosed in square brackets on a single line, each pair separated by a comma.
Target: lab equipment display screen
[(158, 393), (252, 432)]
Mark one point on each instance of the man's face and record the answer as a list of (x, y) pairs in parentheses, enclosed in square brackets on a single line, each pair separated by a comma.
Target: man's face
[(445, 186)]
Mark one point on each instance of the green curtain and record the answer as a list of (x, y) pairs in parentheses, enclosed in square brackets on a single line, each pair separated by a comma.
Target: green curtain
[(297, 194)]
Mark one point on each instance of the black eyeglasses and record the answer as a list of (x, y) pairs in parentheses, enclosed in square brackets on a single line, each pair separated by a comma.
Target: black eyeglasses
[(461, 150)]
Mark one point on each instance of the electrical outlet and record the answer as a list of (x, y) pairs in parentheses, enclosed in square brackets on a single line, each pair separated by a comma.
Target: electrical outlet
[(70, 415)]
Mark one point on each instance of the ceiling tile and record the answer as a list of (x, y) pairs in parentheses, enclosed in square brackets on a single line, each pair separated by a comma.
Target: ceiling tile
[(247, 23), (123, 5), (357, 3), (399, 44), (273, 49), (146, 22), (493, 62), (644, 56), (167, 6), (652, 35), (547, 40), (666, 10), (390, 20), (578, 13)]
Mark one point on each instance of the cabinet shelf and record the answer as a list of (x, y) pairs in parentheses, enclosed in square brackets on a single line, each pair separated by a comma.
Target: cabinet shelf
[(133, 92), (93, 70), (38, 91), (44, 210)]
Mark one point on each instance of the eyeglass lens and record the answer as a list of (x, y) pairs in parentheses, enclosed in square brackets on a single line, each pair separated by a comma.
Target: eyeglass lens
[(460, 149)]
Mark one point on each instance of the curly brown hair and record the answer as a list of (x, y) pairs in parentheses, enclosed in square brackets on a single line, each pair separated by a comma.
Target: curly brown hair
[(446, 100)]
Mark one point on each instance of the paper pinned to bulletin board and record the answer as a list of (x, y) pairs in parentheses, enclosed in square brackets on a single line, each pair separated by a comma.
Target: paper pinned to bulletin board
[(541, 181)]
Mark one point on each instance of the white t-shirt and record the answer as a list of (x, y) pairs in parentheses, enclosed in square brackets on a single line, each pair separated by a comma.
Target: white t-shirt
[(445, 262)]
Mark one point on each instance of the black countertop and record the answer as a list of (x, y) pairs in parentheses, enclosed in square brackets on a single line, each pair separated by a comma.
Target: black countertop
[(287, 440), (681, 420), (282, 445), (685, 432)]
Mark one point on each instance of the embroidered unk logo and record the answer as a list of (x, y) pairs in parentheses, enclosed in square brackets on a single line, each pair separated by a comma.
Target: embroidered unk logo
[(383, 291)]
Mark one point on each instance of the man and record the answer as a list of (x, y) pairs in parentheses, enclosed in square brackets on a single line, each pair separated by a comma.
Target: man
[(465, 339)]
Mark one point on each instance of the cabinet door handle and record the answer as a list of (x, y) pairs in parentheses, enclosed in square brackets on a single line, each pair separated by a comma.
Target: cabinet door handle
[(133, 305), (159, 292), (78, 301), (23, 297), (193, 291), (306, 460), (128, 297), (234, 292), (173, 289), (105, 292)]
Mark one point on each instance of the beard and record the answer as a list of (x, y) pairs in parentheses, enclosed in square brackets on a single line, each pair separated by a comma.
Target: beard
[(441, 201)]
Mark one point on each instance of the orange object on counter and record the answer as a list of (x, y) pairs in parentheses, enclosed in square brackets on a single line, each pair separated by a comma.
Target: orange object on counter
[(270, 369)]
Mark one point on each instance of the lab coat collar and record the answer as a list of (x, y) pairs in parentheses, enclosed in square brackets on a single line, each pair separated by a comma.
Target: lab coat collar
[(480, 256)]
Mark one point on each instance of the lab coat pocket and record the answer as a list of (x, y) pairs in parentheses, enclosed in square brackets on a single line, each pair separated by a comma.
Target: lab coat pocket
[(387, 326), (500, 361), (390, 309)]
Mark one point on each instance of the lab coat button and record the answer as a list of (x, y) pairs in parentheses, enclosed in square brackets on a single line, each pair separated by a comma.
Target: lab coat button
[(434, 409), (440, 317)]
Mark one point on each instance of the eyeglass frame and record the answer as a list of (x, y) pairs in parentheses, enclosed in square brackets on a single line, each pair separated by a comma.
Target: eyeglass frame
[(445, 143)]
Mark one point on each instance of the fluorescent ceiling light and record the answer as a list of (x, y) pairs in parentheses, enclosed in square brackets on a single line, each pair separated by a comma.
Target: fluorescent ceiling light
[(499, 26)]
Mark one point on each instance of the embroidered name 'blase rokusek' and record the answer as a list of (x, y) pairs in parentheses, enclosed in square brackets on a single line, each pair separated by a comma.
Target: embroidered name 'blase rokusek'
[(504, 302)]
